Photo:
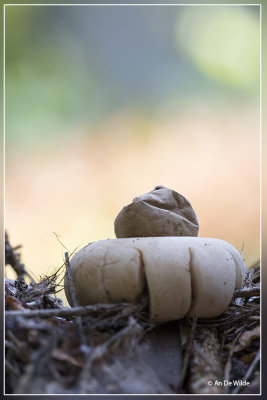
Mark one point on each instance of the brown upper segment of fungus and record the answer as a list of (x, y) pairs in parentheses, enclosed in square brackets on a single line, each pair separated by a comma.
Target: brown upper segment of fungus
[(161, 212)]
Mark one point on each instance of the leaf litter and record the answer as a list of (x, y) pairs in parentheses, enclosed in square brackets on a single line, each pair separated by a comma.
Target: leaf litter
[(113, 348)]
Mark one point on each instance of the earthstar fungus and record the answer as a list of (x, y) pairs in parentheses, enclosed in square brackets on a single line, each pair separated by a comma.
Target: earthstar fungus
[(157, 248)]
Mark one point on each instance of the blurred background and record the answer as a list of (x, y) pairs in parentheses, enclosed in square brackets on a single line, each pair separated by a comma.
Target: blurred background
[(105, 103)]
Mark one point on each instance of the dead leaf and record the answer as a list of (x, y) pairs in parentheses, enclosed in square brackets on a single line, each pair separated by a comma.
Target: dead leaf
[(248, 358), (245, 339), (14, 303)]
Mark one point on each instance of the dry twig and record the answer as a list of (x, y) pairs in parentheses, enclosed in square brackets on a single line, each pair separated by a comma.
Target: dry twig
[(13, 258), (247, 292), (249, 372), (68, 312)]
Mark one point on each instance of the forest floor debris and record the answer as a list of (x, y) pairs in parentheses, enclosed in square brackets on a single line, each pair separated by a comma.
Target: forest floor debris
[(51, 349)]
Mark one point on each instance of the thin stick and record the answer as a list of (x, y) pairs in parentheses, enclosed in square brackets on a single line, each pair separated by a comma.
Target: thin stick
[(57, 237), (255, 291), (249, 372), (12, 258), (67, 311)]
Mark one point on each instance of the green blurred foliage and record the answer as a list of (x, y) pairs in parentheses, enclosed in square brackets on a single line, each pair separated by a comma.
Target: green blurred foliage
[(71, 66), (224, 45)]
